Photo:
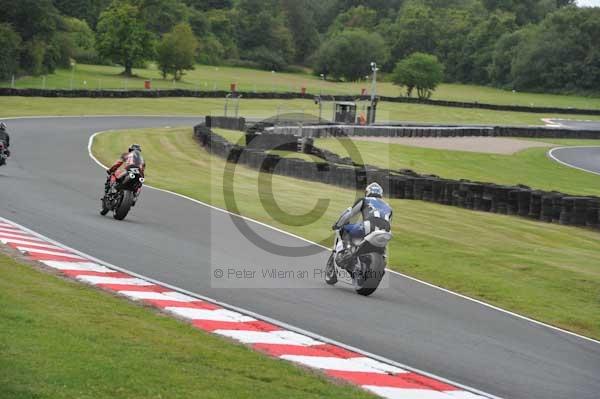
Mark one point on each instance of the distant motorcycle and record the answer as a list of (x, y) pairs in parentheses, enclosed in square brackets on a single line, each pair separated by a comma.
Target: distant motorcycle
[(363, 264), (123, 195), (4, 154)]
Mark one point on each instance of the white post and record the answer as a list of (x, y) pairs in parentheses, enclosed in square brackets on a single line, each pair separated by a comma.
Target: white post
[(237, 106), (12, 82), (373, 93), (227, 103), (44, 82), (72, 73)]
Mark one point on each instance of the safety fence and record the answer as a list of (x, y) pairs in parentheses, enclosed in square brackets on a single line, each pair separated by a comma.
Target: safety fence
[(154, 93), (546, 206)]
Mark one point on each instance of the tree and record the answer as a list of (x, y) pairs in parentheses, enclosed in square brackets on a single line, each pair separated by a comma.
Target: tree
[(421, 71), (261, 23), (36, 22), (161, 16), (205, 5), (478, 50), (87, 10), (223, 30), (453, 26), (349, 54), (359, 17), (176, 51), (10, 42), (561, 54), (302, 24), (413, 31), (122, 36), (79, 39), (505, 52)]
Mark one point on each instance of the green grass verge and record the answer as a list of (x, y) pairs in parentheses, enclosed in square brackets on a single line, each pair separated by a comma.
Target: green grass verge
[(531, 167), (210, 77), (35, 106), (548, 272), (61, 339)]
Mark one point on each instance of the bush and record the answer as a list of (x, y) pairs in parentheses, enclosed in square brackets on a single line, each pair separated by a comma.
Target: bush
[(266, 59), (210, 51), (421, 71), (32, 57)]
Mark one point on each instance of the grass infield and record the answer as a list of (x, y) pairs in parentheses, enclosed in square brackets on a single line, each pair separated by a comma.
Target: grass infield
[(532, 167), (206, 77), (41, 106), (548, 272)]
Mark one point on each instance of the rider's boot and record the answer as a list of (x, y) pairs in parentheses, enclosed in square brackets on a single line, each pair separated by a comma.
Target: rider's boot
[(345, 258)]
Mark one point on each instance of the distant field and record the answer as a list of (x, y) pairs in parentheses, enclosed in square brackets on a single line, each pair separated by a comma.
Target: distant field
[(26, 106), (211, 78), (60, 339), (531, 167), (549, 272)]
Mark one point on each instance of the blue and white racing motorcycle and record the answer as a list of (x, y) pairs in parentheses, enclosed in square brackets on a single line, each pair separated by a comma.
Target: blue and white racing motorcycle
[(359, 261)]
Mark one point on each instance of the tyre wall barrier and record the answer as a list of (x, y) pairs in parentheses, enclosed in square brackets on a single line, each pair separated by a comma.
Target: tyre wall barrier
[(546, 206), (322, 131), (225, 122), (279, 142), (4, 91)]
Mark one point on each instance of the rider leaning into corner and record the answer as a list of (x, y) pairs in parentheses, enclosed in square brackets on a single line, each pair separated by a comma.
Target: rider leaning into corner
[(376, 215), (131, 159), (4, 138)]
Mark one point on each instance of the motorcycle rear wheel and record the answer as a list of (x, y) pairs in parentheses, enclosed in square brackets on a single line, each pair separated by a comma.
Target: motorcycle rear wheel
[(124, 206), (366, 283)]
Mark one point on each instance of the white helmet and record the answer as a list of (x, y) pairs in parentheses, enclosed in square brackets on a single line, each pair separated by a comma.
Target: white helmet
[(2, 126), (374, 190)]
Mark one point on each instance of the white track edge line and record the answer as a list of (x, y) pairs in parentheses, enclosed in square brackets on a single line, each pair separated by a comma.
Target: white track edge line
[(256, 315), (522, 317), (551, 155)]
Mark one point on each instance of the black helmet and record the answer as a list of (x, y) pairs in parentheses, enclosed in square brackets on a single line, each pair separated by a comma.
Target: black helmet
[(2, 126), (135, 147)]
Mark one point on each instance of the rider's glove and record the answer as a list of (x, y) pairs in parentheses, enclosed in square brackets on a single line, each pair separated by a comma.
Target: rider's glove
[(334, 227), (108, 172)]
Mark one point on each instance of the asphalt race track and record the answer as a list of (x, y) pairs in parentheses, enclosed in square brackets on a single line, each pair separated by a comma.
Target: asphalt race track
[(578, 125), (585, 158), (53, 187)]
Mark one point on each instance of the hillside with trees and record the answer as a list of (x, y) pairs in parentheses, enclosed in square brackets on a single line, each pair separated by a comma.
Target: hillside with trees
[(534, 45)]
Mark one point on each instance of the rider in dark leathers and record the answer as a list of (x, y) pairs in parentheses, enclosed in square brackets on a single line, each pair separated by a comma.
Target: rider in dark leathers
[(131, 159), (376, 215), (5, 138)]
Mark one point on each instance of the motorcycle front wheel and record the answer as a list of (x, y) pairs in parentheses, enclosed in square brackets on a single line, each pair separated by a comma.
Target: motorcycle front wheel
[(330, 275)]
